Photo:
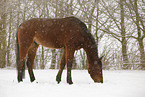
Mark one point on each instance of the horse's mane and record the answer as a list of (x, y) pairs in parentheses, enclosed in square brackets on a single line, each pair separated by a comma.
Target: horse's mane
[(88, 34), (84, 28)]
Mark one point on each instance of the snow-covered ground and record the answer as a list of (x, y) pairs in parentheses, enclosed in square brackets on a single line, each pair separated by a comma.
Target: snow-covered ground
[(116, 84)]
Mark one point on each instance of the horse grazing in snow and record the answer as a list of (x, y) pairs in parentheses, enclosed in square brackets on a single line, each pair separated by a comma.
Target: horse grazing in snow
[(68, 33)]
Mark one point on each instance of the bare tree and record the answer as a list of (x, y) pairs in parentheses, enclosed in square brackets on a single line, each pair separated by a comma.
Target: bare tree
[(137, 15), (3, 34), (123, 35), (117, 26)]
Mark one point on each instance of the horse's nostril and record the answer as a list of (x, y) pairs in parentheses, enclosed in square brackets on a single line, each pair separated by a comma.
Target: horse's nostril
[(102, 81)]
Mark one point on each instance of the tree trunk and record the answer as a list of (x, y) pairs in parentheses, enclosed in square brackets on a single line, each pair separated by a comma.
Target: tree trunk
[(59, 58), (124, 41), (42, 65), (97, 19), (140, 37), (74, 66), (53, 60), (84, 59), (3, 37), (142, 54), (9, 40)]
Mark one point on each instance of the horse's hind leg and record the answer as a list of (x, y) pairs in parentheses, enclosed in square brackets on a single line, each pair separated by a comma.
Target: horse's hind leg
[(21, 70), (30, 60), (61, 67), (23, 49)]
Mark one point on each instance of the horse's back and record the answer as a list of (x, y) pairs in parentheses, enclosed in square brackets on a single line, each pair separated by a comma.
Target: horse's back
[(54, 33)]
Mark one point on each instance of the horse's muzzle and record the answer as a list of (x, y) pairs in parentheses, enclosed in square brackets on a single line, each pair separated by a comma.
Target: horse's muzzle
[(99, 81)]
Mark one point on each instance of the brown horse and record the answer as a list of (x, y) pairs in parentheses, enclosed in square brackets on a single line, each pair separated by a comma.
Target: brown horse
[(69, 34)]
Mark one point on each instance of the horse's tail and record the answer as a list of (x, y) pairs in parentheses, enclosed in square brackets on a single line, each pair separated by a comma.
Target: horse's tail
[(17, 51), (17, 57)]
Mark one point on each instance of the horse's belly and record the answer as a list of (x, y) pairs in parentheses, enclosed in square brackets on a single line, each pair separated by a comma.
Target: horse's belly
[(49, 43)]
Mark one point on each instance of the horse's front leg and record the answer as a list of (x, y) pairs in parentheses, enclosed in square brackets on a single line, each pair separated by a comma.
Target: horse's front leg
[(69, 60), (69, 78), (61, 67)]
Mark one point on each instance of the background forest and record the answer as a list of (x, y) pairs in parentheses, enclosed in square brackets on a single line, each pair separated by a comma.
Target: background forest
[(117, 25)]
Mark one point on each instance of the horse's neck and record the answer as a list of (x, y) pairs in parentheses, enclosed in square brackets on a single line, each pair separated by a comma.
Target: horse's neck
[(91, 51)]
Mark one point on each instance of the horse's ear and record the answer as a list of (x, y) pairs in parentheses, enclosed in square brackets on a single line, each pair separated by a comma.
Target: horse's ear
[(101, 58)]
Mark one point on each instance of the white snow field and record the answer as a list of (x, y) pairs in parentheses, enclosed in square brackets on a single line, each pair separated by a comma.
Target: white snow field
[(117, 83)]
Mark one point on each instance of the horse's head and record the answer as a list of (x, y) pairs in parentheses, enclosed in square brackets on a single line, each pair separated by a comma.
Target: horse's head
[(95, 71)]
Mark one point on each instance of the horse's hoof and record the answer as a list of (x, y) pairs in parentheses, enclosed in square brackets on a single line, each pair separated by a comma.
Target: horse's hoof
[(70, 82), (58, 80), (20, 80), (32, 79), (35, 82)]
